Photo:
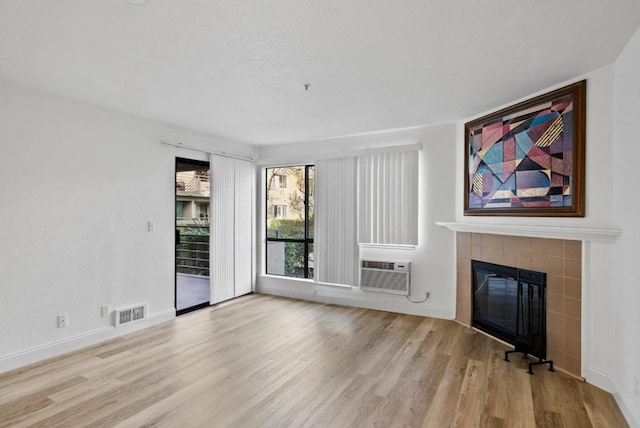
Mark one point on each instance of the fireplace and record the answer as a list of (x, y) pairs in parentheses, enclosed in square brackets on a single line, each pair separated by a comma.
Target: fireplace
[(560, 260), (509, 303)]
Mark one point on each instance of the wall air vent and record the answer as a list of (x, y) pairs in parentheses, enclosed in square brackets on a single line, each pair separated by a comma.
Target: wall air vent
[(385, 276), (130, 314)]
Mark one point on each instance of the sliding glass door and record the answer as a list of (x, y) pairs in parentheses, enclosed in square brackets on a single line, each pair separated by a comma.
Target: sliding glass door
[(192, 235)]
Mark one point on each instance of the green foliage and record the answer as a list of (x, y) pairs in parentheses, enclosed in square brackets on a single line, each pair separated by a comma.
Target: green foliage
[(293, 251), (294, 259), (283, 228)]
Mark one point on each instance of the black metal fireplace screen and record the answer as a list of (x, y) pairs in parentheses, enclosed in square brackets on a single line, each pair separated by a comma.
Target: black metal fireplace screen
[(509, 303)]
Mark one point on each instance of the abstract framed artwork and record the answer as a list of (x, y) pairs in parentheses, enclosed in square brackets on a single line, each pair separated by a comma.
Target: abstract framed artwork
[(528, 159)]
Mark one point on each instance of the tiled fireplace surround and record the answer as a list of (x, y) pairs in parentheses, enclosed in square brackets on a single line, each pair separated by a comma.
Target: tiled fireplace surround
[(560, 259)]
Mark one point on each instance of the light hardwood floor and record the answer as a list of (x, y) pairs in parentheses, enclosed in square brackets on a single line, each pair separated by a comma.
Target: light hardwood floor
[(273, 362)]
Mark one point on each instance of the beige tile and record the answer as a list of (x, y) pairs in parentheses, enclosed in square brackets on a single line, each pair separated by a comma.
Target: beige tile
[(467, 267), (487, 240), (461, 288), (555, 247), (510, 258), (538, 246), (463, 280), (524, 244), (555, 340), (497, 255), (476, 253), (555, 265), (510, 243), (463, 239), (523, 260), (463, 313), (464, 252), (463, 262), (571, 365), (573, 249), (497, 242), (571, 327), (539, 262), (573, 288), (555, 303), (555, 284), (573, 268), (572, 347), (556, 356), (476, 239), (555, 322), (572, 307), (487, 255)]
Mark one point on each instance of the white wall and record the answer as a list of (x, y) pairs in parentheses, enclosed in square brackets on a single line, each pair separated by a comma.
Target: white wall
[(433, 260), (78, 185), (625, 308)]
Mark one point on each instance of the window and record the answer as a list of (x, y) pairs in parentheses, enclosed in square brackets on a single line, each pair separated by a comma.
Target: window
[(280, 211), (202, 210), (290, 221), (280, 180)]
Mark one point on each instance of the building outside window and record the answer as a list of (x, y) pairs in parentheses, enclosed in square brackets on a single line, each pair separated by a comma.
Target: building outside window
[(289, 221), (280, 211), (280, 181)]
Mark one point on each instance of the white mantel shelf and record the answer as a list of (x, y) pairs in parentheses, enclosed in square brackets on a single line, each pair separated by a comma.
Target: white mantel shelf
[(553, 232)]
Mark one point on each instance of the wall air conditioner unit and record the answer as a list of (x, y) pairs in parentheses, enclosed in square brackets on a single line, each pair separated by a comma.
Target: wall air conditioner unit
[(385, 276)]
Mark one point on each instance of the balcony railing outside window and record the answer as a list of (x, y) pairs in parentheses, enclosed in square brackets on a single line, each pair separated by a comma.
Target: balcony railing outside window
[(192, 250)]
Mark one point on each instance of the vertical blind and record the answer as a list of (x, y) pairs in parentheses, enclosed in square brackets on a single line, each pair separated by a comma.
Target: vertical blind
[(231, 225), (336, 246), (388, 198)]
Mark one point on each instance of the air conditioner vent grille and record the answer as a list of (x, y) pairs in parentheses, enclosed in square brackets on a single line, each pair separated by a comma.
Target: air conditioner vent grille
[(385, 276), (370, 264), (130, 314)]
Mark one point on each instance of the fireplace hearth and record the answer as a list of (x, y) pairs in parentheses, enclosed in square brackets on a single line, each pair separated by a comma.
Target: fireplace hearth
[(510, 304)]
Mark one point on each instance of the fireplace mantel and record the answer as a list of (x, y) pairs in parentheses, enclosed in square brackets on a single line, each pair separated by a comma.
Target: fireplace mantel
[(552, 232)]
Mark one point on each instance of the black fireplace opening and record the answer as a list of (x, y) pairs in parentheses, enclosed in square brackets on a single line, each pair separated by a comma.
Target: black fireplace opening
[(509, 303)]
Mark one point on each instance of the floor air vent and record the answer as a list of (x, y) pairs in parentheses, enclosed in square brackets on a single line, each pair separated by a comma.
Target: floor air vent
[(130, 314), (385, 276)]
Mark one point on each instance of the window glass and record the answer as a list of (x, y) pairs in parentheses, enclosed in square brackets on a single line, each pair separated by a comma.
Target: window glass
[(289, 222)]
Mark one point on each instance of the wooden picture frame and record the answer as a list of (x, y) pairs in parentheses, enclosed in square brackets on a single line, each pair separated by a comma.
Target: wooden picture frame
[(528, 159)]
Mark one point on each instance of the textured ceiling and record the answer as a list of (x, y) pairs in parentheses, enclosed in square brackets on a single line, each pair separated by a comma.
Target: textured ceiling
[(236, 69)]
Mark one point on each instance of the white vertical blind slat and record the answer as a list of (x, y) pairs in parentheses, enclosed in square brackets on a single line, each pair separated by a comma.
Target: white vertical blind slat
[(231, 222), (336, 249), (244, 182), (390, 215)]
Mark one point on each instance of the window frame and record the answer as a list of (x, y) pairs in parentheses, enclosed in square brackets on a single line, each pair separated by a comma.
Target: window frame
[(307, 241)]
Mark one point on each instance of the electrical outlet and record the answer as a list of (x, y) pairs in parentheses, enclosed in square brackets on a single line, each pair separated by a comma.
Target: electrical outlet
[(63, 320), (105, 310), (636, 386)]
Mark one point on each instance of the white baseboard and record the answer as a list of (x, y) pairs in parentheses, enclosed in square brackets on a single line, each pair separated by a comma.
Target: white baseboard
[(599, 379), (606, 382), (629, 409), (369, 302), (79, 341), (285, 292)]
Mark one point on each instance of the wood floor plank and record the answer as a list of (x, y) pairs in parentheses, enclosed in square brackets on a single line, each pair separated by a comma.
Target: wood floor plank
[(264, 361)]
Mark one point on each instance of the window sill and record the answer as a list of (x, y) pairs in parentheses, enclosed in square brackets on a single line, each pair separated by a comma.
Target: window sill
[(389, 246), (307, 281), (289, 278)]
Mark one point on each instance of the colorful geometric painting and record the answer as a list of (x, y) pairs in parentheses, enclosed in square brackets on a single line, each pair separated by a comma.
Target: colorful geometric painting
[(522, 160)]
